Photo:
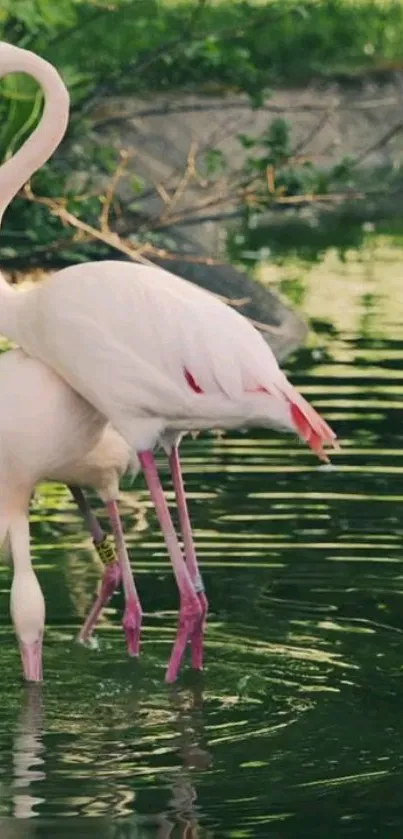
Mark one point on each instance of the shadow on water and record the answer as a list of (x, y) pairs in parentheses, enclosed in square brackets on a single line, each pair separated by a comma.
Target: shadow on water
[(295, 728)]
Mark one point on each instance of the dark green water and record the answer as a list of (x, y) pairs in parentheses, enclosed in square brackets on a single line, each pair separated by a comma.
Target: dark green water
[(296, 727)]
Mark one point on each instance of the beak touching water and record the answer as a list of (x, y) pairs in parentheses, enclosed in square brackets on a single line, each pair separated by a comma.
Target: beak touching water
[(31, 657)]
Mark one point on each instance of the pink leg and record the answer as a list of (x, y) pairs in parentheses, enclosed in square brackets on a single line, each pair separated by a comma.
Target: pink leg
[(133, 613), (110, 581), (190, 556), (112, 574), (190, 610)]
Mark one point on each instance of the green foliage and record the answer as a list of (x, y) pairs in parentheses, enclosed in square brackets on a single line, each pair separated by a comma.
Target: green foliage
[(273, 171), (141, 46), (273, 174), (34, 235), (214, 161)]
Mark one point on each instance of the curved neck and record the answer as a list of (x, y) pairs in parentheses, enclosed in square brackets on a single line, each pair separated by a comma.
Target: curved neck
[(20, 543), (45, 139)]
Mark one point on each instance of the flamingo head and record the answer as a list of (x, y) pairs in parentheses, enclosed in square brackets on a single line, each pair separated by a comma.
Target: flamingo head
[(27, 608)]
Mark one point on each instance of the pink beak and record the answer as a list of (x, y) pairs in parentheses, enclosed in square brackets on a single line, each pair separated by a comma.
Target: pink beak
[(31, 657)]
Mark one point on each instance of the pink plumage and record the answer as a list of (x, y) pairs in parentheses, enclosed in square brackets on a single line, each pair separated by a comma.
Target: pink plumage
[(152, 353), (157, 353), (47, 431)]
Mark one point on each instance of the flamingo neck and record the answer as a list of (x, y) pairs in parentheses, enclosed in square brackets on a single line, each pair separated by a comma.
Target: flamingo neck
[(20, 544), (27, 604), (39, 147), (11, 302)]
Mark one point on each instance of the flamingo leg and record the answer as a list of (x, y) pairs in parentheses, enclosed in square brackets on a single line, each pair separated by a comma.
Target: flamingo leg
[(190, 556), (190, 608), (133, 612), (112, 574)]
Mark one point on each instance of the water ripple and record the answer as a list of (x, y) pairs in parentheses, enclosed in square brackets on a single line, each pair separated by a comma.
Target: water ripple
[(294, 729)]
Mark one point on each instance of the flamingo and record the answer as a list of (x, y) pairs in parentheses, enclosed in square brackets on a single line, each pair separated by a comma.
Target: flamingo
[(158, 356), (49, 432)]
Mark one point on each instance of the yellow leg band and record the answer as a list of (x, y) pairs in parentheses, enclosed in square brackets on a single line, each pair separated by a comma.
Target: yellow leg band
[(106, 550)]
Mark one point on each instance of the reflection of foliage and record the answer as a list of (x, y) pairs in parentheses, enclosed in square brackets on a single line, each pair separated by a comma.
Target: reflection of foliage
[(307, 238), (293, 288)]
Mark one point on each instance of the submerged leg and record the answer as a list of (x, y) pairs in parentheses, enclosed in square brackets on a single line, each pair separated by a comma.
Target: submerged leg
[(133, 613), (190, 609), (112, 574), (190, 557)]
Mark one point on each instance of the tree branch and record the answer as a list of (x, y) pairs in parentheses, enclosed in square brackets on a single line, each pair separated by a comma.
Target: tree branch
[(379, 143), (113, 240)]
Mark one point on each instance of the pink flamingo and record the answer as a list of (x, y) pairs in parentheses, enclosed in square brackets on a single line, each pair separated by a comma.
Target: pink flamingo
[(154, 354), (49, 432)]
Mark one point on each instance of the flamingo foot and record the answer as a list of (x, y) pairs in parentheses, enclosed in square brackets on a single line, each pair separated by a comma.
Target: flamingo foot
[(190, 618), (198, 633), (110, 582), (132, 626)]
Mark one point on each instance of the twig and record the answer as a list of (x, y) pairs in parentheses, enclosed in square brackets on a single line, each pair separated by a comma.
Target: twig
[(271, 179), (107, 236), (313, 133), (161, 253), (188, 174), (379, 143), (110, 192), (215, 200), (163, 193), (332, 198)]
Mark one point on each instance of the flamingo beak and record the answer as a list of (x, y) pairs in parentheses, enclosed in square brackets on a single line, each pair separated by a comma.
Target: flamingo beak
[(31, 657)]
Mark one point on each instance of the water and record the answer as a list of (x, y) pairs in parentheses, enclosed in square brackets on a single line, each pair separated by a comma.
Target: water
[(295, 728)]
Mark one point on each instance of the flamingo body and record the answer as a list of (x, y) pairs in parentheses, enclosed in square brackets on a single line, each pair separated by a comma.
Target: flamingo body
[(47, 431), (156, 353)]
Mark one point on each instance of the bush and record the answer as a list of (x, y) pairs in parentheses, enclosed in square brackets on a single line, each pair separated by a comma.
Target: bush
[(141, 46)]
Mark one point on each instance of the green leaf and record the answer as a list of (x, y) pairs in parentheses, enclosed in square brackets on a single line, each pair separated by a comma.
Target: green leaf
[(247, 141), (215, 161)]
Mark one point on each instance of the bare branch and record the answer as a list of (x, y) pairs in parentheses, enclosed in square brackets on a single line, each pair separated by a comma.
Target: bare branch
[(313, 133), (379, 143), (57, 208), (111, 191), (113, 240), (188, 175), (310, 198), (241, 103), (163, 193)]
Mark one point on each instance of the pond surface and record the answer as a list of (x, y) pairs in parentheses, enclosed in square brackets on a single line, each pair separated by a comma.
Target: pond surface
[(295, 728)]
